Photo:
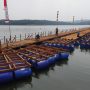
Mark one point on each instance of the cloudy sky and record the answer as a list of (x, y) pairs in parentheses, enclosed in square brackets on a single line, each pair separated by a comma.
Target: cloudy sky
[(46, 9)]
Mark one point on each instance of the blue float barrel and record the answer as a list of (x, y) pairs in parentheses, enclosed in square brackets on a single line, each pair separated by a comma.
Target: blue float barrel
[(33, 62), (51, 60), (71, 47), (50, 44), (64, 55), (82, 46), (42, 65), (57, 57), (24, 72), (6, 77), (76, 44)]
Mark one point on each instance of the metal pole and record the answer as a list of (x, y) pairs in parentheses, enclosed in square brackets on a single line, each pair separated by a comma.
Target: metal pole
[(4, 40), (15, 38), (20, 37), (0, 47), (57, 18), (57, 24), (73, 19), (10, 31), (25, 36), (7, 43)]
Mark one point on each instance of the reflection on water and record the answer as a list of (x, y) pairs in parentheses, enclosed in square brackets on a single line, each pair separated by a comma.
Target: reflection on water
[(71, 74), (46, 72), (37, 74), (85, 50), (62, 62), (17, 84)]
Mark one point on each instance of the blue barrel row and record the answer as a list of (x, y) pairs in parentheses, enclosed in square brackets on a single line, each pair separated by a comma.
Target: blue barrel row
[(25, 72), (84, 41), (11, 70), (68, 47), (84, 46), (19, 73), (45, 63), (8, 76)]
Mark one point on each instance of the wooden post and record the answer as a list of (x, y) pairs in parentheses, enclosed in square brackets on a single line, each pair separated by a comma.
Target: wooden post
[(4, 39), (10, 39), (32, 36), (25, 35), (15, 38), (20, 37), (6, 43), (41, 34), (48, 33), (45, 33), (51, 32), (0, 47)]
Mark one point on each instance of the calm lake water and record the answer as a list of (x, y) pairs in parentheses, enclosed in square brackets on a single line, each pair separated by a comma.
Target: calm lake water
[(71, 74)]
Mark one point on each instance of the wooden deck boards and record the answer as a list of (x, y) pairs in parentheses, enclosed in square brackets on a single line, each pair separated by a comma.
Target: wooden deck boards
[(67, 35)]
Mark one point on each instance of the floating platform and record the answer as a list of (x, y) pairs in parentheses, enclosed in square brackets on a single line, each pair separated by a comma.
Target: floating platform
[(84, 41), (17, 62), (69, 35), (12, 66), (42, 56)]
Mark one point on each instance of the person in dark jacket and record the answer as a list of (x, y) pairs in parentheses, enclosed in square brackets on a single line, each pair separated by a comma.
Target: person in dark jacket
[(56, 31), (78, 34), (37, 37)]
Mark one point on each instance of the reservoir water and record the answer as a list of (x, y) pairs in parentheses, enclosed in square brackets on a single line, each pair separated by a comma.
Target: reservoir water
[(71, 74)]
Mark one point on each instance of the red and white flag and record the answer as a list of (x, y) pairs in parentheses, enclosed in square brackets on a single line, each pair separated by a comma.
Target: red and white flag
[(6, 10)]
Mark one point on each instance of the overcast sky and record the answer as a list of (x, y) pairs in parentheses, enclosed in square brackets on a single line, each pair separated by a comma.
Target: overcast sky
[(46, 9)]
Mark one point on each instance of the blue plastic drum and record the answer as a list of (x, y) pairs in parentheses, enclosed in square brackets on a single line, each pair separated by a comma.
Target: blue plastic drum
[(57, 57), (24, 72), (51, 60), (64, 55), (6, 77), (42, 65)]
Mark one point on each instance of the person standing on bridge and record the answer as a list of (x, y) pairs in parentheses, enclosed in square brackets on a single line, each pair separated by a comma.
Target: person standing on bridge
[(56, 31)]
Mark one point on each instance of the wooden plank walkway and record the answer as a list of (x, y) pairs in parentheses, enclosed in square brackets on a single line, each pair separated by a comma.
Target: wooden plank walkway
[(74, 36), (68, 35)]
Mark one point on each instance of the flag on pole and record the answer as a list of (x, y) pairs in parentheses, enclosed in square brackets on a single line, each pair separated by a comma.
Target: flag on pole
[(6, 10)]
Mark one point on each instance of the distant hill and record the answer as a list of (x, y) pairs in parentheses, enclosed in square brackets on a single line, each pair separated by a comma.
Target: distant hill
[(44, 22)]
